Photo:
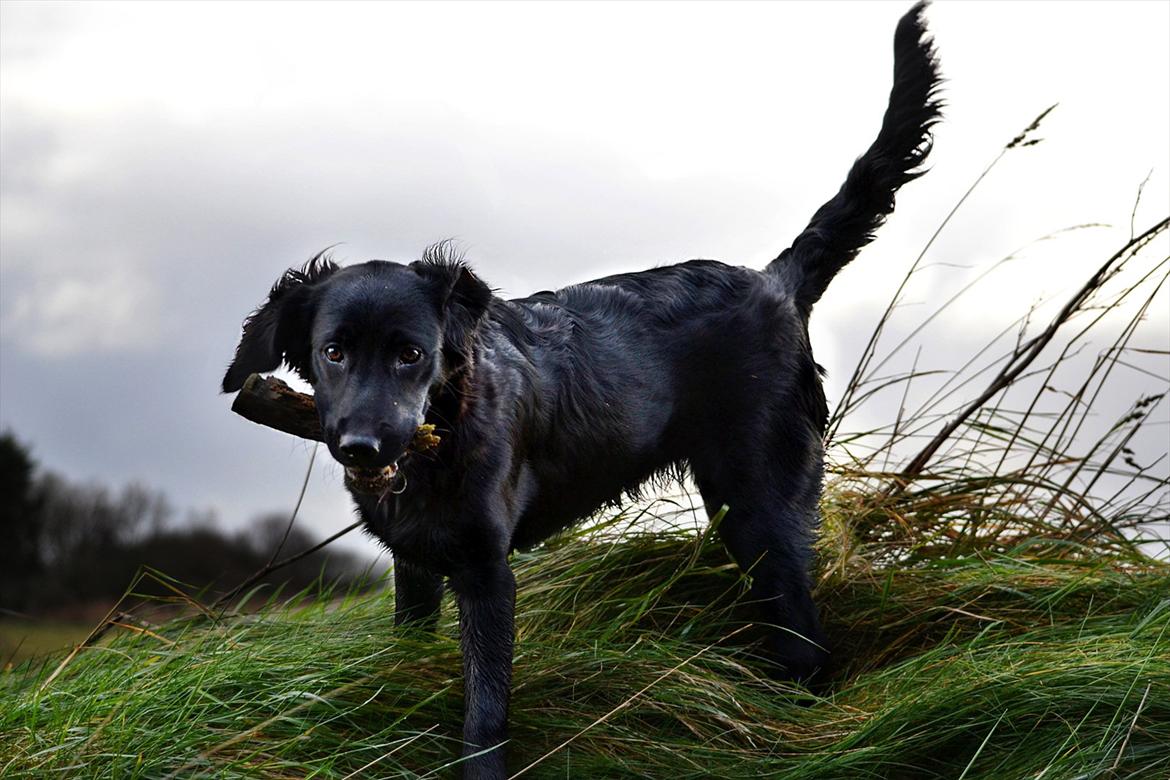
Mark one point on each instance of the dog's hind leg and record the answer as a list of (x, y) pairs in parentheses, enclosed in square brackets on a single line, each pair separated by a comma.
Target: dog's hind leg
[(768, 529)]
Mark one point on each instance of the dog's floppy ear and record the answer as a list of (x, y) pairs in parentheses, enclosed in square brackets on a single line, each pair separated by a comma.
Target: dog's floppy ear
[(463, 298), (279, 330)]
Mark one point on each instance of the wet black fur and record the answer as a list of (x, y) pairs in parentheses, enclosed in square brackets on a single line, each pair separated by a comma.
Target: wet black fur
[(551, 406)]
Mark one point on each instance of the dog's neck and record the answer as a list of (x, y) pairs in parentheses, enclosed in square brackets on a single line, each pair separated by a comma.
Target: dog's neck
[(452, 396)]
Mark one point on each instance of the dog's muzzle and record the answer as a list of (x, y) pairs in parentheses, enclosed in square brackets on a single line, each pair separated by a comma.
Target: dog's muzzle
[(375, 481)]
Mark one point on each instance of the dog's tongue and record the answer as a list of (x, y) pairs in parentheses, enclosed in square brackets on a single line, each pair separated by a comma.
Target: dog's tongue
[(371, 480)]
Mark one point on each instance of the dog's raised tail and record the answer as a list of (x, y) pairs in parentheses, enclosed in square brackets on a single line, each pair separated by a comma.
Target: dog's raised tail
[(847, 222)]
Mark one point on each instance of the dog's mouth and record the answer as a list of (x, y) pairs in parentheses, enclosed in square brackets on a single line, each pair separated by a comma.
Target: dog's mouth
[(373, 481), (381, 480)]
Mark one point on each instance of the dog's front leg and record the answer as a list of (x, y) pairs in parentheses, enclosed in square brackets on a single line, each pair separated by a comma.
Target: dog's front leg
[(486, 597), (418, 593)]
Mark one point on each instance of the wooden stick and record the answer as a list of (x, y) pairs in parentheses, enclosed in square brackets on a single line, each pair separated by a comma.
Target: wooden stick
[(270, 402)]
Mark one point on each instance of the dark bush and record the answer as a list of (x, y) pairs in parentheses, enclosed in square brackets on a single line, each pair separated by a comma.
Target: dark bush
[(68, 544)]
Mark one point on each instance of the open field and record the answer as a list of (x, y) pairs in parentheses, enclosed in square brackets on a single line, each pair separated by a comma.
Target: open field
[(23, 639)]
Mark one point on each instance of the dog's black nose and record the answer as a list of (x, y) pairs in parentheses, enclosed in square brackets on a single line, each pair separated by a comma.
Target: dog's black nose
[(359, 450)]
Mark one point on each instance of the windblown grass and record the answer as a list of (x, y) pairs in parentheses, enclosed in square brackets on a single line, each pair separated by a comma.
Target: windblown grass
[(629, 664), (991, 613)]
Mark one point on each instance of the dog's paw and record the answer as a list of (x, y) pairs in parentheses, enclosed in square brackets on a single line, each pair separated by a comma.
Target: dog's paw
[(799, 659)]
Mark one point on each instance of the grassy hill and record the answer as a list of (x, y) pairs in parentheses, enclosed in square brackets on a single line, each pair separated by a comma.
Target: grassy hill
[(635, 659)]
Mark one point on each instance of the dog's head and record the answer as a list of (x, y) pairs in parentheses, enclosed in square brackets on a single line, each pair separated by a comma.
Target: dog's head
[(375, 340)]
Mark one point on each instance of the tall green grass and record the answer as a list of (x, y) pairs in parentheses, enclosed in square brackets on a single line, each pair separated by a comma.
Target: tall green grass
[(991, 612), (635, 658)]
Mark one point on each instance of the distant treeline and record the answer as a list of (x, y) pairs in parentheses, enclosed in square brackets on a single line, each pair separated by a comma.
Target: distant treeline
[(64, 544)]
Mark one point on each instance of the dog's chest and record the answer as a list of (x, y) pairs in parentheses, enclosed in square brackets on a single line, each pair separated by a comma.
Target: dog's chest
[(424, 532)]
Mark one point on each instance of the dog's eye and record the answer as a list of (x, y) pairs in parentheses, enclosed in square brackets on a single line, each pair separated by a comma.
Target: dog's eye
[(410, 355), (333, 353)]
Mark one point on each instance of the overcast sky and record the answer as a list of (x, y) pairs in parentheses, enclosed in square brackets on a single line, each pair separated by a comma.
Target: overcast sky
[(162, 163)]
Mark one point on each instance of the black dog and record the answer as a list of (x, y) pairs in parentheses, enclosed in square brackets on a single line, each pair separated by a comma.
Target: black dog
[(551, 406)]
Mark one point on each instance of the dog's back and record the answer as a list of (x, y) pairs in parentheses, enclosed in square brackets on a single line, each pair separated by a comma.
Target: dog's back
[(641, 372)]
